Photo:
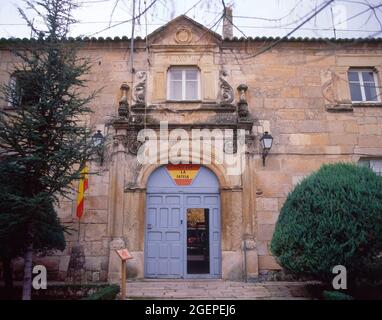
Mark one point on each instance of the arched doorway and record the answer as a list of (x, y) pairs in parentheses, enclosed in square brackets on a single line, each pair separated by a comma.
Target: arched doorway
[(182, 231)]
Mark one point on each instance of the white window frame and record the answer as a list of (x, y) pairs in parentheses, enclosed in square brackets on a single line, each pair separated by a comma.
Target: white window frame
[(183, 69), (12, 83), (362, 86), (373, 164)]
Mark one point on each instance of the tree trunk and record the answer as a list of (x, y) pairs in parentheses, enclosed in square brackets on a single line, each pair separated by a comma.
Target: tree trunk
[(27, 282), (8, 277)]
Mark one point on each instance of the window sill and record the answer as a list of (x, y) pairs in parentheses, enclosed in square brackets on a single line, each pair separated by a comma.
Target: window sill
[(340, 108), (348, 107), (183, 101), (367, 104)]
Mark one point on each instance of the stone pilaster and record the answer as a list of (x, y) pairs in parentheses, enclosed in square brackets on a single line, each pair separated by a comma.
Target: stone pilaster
[(116, 197), (114, 275)]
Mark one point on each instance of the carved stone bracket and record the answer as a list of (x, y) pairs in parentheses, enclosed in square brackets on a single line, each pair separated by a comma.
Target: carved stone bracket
[(226, 94), (139, 90), (123, 110)]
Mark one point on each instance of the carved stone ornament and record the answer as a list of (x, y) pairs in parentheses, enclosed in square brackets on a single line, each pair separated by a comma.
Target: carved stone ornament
[(183, 35), (123, 110), (133, 144), (139, 91), (230, 144), (226, 94), (250, 141), (120, 141), (136, 119), (243, 105), (329, 81), (328, 90)]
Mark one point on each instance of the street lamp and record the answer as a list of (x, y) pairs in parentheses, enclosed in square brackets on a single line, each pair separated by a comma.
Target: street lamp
[(97, 141), (266, 143)]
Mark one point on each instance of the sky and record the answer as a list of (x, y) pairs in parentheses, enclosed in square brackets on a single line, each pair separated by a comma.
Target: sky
[(350, 18)]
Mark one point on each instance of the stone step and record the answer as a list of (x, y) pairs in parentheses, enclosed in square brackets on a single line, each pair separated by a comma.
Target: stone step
[(214, 289)]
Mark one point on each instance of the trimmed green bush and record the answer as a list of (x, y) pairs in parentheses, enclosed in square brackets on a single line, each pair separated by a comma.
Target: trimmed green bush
[(333, 217), (336, 295), (107, 293)]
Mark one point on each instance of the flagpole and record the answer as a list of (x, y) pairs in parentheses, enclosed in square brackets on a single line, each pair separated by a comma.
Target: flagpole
[(79, 230), (82, 187)]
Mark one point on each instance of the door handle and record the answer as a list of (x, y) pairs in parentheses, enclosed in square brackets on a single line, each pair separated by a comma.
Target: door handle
[(181, 221), (149, 226)]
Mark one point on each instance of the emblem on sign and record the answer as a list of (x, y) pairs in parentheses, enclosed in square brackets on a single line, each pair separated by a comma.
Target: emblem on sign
[(183, 174)]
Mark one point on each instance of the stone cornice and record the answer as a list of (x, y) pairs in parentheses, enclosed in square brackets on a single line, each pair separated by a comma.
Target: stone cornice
[(204, 106), (134, 189)]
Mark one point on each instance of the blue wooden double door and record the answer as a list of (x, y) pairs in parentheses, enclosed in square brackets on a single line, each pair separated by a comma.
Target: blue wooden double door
[(182, 233)]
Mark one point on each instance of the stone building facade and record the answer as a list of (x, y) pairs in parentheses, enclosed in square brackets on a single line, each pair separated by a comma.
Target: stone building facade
[(302, 91)]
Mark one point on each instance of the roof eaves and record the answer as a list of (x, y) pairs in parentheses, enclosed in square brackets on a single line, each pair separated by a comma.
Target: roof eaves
[(234, 39), (301, 39)]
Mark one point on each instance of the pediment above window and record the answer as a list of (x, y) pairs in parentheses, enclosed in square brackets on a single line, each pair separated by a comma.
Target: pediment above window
[(183, 31)]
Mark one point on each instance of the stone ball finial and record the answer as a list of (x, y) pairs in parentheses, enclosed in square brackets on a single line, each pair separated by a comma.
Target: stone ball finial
[(125, 86), (242, 87)]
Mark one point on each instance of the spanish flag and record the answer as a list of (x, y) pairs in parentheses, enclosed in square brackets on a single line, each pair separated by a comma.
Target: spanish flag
[(82, 187)]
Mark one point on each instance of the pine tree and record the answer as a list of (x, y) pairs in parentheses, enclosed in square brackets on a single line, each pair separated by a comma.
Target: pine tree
[(44, 142), (48, 233)]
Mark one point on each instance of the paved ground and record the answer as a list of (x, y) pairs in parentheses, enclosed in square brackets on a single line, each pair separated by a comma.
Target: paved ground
[(215, 289)]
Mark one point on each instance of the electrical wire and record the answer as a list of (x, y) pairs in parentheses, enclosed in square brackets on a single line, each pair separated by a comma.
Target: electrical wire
[(316, 12), (126, 21), (240, 26), (195, 5)]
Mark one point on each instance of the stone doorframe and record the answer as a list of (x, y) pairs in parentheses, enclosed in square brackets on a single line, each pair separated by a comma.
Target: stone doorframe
[(127, 213)]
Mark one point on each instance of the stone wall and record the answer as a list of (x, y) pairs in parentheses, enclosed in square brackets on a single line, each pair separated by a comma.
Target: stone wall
[(288, 96)]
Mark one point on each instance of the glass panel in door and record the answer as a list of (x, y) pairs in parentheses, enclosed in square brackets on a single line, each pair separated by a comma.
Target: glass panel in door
[(198, 247)]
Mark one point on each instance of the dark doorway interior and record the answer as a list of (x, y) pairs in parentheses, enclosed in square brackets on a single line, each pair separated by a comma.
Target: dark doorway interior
[(198, 247)]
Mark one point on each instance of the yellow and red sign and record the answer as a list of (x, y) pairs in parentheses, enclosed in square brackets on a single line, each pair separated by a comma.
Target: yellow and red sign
[(183, 174)]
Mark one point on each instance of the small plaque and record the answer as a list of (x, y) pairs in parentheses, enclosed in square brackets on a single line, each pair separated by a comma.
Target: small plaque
[(124, 254)]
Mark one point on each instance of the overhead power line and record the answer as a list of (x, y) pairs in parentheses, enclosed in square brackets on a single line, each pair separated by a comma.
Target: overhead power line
[(240, 26), (195, 5), (316, 12), (93, 2), (126, 21)]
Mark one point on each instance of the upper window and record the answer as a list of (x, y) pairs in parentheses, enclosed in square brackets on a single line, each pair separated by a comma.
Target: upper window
[(183, 84), (22, 90), (363, 85)]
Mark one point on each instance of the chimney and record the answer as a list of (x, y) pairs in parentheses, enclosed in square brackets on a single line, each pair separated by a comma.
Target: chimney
[(227, 23)]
